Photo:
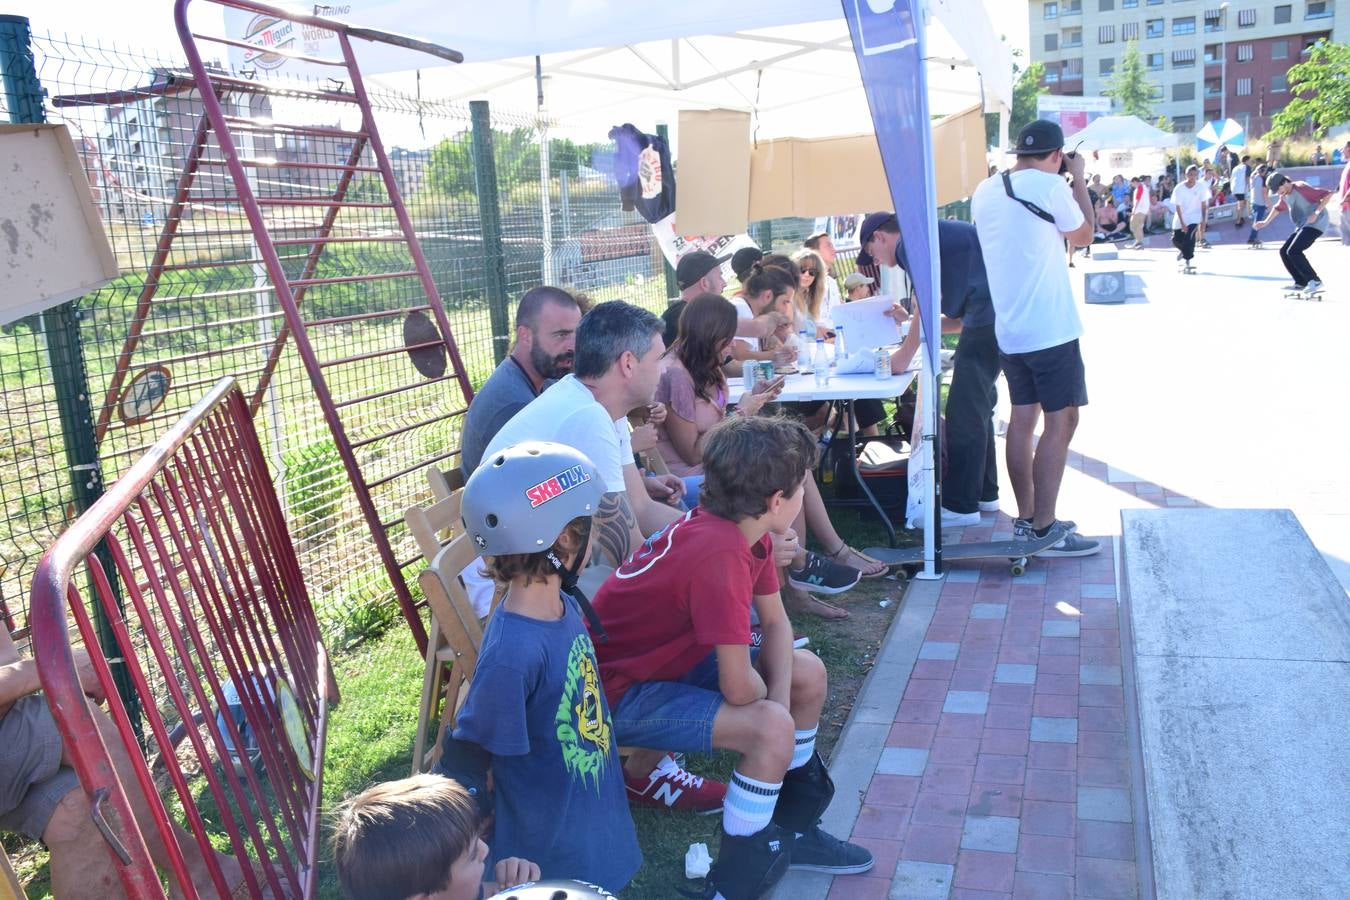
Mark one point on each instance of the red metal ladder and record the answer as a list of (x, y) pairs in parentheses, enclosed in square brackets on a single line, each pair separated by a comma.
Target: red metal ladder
[(364, 420)]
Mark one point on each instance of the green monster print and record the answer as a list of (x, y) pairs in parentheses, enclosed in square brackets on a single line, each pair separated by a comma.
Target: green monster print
[(583, 726)]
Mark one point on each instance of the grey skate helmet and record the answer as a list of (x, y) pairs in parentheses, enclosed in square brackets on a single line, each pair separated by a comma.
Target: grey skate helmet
[(520, 499), (554, 889)]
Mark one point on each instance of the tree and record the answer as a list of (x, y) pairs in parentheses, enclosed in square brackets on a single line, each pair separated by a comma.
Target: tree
[(1321, 89), (1129, 86), (515, 152), (1025, 91)]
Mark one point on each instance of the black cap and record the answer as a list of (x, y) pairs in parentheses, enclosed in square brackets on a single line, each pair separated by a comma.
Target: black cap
[(1274, 180), (693, 266), (743, 259), (1041, 136), (869, 227)]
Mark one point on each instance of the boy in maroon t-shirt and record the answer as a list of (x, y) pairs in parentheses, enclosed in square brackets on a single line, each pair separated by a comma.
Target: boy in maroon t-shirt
[(679, 673)]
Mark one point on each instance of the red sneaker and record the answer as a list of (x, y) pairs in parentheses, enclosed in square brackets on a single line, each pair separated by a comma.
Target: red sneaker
[(671, 787)]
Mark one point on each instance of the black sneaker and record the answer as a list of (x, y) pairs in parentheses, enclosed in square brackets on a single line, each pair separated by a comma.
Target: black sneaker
[(1022, 528), (817, 850), (823, 576), (1072, 545)]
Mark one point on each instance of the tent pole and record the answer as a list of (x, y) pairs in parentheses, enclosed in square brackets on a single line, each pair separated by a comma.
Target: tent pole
[(545, 201)]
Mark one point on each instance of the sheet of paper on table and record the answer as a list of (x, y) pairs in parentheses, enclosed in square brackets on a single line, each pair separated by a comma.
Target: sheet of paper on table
[(865, 323)]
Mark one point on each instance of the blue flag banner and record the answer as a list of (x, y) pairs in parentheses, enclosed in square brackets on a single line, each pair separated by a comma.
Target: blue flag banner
[(888, 39)]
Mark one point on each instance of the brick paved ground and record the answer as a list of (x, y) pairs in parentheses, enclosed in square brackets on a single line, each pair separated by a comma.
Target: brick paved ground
[(1006, 772)]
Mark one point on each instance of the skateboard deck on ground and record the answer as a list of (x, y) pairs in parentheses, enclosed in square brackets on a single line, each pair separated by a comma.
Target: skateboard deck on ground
[(1016, 552), (1304, 295)]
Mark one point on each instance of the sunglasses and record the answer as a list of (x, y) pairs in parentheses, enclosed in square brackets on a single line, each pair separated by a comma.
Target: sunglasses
[(811, 272)]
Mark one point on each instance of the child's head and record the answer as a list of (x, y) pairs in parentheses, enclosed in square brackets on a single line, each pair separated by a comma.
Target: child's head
[(754, 465), (858, 286), (528, 510), (412, 837)]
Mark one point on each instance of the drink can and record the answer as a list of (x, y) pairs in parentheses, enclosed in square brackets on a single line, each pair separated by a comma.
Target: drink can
[(749, 368), (766, 370), (881, 363)]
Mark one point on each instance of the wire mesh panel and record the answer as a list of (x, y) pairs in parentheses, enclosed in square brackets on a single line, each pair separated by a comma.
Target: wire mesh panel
[(222, 646), (195, 301)]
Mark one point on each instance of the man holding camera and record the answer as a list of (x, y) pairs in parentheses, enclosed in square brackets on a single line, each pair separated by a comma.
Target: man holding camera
[(1023, 216)]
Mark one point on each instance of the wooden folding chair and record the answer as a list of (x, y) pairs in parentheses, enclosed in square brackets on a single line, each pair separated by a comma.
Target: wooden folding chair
[(452, 652), (10, 887)]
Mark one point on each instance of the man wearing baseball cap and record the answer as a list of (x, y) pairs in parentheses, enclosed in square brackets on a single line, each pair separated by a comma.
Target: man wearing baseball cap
[(971, 483), (1023, 217), (699, 272)]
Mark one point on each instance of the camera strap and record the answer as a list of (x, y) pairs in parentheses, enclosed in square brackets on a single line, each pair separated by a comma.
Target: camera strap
[(1031, 207)]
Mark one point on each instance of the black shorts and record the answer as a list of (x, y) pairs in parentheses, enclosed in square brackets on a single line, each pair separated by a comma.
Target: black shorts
[(1053, 377), (1239, 197)]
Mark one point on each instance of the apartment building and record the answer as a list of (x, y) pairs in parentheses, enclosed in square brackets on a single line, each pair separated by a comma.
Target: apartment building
[(1206, 60)]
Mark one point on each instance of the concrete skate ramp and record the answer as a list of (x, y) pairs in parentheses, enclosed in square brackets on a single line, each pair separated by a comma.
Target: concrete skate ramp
[(1242, 667)]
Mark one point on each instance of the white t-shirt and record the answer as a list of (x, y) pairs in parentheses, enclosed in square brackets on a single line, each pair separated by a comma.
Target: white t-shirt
[(1186, 203), (830, 300), (1240, 172), (1024, 257), (567, 413), (743, 312)]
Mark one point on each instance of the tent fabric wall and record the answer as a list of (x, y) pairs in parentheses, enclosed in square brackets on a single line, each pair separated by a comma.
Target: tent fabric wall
[(803, 177)]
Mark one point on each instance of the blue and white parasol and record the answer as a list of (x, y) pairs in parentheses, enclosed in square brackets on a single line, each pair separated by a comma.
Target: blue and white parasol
[(1214, 135)]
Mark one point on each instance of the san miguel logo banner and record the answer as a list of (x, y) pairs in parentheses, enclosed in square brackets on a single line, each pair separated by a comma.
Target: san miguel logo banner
[(888, 40)]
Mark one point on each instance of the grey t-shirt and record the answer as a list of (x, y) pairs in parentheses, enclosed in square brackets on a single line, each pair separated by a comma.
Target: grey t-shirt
[(1301, 207), (507, 391)]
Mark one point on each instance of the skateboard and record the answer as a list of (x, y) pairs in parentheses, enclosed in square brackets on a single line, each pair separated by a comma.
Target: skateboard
[(1186, 269), (1018, 553), (1256, 244), (1304, 295)]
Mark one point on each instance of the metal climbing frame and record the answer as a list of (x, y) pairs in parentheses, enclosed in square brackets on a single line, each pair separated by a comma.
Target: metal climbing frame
[(220, 642), (387, 432)]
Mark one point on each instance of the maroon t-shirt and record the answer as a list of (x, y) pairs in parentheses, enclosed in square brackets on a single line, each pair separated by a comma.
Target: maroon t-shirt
[(686, 590)]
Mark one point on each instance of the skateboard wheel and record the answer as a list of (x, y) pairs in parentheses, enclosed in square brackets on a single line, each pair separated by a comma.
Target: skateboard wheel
[(1019, 567)]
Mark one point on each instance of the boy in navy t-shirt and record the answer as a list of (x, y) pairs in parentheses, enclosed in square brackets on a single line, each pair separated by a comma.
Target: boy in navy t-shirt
[(679, 672), (535, 704)]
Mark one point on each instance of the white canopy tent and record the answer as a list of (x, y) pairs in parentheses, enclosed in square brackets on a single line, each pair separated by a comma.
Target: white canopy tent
[(1123, 133), (605, 61)]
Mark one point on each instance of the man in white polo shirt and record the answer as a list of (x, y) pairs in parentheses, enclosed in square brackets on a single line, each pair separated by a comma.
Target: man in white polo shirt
[(1023, 217)]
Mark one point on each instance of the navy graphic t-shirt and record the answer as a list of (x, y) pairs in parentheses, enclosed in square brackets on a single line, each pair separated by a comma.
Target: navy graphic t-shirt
[(536, 705)]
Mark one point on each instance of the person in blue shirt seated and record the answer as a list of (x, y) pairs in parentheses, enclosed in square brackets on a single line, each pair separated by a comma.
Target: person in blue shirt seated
[(535, 715)]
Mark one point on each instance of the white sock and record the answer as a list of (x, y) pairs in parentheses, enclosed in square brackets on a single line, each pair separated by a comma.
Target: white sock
[(804, 747), (749, 804)]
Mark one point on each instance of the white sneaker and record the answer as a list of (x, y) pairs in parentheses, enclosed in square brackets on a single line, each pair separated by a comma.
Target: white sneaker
[(959, 520), (989, 506), (1313, 287)]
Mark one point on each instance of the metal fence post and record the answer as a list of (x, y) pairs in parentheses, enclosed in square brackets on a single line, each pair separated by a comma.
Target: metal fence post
[(672, 286), (762, 232), (61, 329), (490, 220)]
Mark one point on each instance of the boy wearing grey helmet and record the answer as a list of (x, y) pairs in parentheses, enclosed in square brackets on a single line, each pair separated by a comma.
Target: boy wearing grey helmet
[(535, 705)]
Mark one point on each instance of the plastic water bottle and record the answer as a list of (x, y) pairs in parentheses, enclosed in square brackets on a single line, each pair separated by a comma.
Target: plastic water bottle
[(839, 351), (822, 364), (803, 351)]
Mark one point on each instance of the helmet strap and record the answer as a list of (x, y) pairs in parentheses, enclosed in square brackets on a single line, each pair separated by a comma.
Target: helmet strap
[(569, 575)]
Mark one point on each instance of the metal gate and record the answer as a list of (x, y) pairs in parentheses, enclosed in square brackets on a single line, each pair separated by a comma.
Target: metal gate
[(221, 644)]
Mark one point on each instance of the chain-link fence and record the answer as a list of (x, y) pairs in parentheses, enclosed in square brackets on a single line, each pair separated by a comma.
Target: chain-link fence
[(194, 301)]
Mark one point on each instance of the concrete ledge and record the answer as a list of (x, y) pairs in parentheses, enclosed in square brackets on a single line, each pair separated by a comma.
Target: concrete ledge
[(859, 747), (1242, 672)]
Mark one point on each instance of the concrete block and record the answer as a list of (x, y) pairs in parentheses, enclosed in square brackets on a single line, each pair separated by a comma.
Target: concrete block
[(994, 833), (1054, 730), (976, 702), (939, 650), (1014, 673), (902, 761), (988, 610), (921, 881)]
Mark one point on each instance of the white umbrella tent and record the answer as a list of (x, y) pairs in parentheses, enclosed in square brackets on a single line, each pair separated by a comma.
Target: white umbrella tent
[(802, 68)]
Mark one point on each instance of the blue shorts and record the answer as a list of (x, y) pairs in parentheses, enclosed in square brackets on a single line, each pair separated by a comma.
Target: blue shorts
[(1053, 377), (672, 715)]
